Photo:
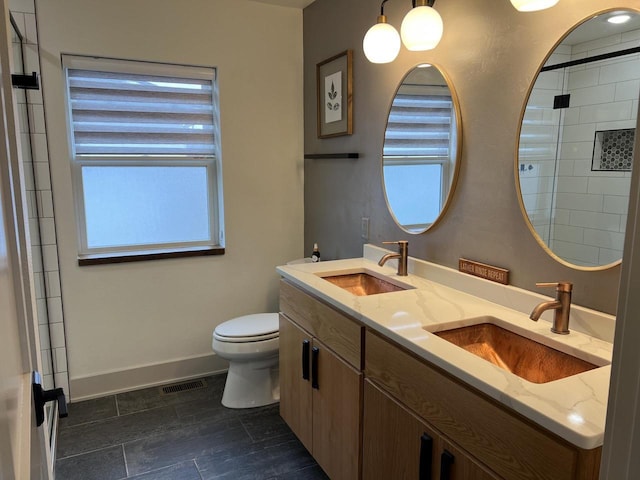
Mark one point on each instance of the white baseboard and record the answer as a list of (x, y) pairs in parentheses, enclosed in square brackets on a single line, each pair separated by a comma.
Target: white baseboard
[(100, 385)]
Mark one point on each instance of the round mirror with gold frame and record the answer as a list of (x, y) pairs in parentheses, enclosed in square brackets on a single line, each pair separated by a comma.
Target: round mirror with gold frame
[(422, 145), (575, 151)]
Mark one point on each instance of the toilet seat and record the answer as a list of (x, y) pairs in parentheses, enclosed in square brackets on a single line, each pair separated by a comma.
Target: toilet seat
[(254, 338), (249, 328)]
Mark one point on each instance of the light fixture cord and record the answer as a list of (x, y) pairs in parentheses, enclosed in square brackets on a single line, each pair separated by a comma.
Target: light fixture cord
[(382, 6)]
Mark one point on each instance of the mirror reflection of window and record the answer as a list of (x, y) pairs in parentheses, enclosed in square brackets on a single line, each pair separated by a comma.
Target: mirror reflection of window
[(420, 149), (576, 142)]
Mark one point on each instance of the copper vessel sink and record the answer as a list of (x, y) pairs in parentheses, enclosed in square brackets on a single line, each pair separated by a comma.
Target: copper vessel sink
[(521, 356), (362, 284)]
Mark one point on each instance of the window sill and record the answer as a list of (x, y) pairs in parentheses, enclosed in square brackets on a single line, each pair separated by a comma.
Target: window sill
[(144, 255)]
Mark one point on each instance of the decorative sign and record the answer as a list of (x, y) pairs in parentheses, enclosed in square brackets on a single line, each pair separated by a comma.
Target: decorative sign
[(488, 272)]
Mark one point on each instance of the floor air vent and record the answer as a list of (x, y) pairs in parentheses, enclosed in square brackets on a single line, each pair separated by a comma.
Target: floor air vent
[(183, 387)]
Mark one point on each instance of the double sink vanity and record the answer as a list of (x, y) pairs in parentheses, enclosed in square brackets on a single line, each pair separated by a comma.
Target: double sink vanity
[(437, 374)]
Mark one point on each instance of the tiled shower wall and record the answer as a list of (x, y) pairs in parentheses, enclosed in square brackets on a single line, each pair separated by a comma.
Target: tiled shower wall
[(589, 207), (40, 209)]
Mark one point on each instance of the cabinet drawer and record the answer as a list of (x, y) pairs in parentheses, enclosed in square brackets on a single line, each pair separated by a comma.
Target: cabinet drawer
[(508, 444), (338, 332)]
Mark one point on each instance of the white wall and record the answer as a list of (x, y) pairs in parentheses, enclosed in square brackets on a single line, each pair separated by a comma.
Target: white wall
[(124, 316)]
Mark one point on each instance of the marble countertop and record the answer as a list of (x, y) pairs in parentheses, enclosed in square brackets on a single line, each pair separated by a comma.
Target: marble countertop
[(574, 408)]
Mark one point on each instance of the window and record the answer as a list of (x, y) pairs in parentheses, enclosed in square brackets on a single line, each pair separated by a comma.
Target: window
[(419, 142), (145, 157)]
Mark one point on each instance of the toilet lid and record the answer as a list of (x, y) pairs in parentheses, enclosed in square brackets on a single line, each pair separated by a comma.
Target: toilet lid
[(249, 328)]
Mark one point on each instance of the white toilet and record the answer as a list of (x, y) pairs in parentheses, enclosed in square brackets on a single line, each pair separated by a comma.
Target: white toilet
[(250, 344)]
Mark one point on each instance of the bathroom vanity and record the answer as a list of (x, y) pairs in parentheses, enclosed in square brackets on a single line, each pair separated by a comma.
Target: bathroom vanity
[(321, 380), (374, 390)]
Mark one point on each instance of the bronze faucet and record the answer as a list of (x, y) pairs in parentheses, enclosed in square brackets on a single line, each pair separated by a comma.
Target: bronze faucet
[(403, 251), (561, 305)]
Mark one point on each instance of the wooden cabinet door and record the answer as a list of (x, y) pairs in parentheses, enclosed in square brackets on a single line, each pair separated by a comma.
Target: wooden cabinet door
[(336, 414), (396, 444), (454, 464), (295, 391)]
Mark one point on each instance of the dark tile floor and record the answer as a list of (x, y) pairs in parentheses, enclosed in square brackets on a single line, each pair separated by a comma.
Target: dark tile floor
[(179, 436)]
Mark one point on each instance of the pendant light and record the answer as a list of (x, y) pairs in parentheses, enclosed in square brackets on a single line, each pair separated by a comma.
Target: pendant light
[(381, 43), (422, 27), (618, 18), (532, 5)]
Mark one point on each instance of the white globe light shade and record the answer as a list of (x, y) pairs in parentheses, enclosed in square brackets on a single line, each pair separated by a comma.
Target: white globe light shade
[(532, 5), (421, 29), (619, 19), (381, 43)]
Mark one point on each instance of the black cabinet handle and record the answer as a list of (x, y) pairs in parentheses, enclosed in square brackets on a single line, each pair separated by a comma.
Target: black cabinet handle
[(40, 397), (446, 461), (305, 359), (315, 351), (426, 457)]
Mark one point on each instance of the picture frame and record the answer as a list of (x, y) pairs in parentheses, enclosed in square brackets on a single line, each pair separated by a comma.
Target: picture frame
[(335, 95)]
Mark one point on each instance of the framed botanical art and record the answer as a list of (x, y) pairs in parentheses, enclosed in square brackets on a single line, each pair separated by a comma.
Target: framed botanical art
[(334, 85)]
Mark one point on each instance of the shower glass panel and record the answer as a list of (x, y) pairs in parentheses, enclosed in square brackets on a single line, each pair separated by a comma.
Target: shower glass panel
[(24, 128)]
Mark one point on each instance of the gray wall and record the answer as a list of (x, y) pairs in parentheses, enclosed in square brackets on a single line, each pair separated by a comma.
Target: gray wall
[(492, 54)]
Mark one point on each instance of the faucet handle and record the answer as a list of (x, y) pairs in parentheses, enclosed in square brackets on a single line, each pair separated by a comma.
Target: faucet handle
[(403, 246), (560, 286)]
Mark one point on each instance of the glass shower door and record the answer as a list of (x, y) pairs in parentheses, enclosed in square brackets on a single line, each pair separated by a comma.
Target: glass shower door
[(24, 128)]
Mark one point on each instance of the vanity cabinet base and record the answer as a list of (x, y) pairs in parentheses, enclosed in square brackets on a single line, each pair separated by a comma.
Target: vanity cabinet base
[(402, 417), (508, 444), (320, 391)]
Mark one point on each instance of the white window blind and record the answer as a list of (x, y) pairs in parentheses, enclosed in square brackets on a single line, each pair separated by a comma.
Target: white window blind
[(419, 123), (419, 141), (128, 114), (145, 155)]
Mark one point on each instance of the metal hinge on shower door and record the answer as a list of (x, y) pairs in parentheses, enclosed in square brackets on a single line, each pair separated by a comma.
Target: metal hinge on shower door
[(41, 397), (25, 82)]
